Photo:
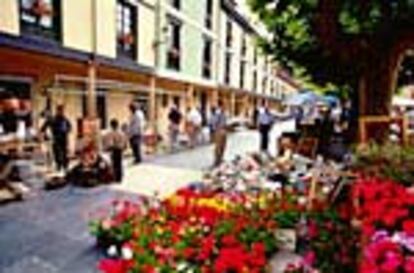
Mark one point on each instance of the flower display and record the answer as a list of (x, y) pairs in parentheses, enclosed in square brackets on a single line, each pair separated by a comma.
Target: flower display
[(220, 227), (190, 230), (386, 212)]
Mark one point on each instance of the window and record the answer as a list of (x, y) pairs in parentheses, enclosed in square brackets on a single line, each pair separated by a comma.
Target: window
[(176, 101), (40, 18), (244, 46), (175, 3), (255, 80), (126, 29), (242, 73), (207, 58), (100, 107), (15, 98), (227, 68), (164, 100), (255, 69), (209, 14), (229, 34), (264, 84), (243, 52), (255, 57), (174, 44)]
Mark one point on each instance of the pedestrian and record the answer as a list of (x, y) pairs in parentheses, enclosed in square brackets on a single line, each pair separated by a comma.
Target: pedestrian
[(60, 127), (194, 122), (115, 143), (134, 132), (255, 116), (265, 122), (211, 132), (174, 119), (219, 127)]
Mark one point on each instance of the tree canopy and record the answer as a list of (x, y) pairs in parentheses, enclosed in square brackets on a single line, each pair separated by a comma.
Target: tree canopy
[(343, 42)]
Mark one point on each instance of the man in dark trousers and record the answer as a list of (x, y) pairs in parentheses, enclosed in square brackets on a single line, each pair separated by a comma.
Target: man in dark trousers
[(115, 143), (219, 126), (265, 122), (174, 118), (134, 133), (60, 127)]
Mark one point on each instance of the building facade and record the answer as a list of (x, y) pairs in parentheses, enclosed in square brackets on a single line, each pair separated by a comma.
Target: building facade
[(100, 55)]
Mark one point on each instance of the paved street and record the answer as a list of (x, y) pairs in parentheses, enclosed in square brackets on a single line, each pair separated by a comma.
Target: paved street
[(48, 232)]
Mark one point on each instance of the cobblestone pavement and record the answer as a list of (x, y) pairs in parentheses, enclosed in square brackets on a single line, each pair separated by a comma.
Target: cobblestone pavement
[(48, 233)]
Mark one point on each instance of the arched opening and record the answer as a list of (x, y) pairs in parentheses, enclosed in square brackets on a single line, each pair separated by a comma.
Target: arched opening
[(405, 82)]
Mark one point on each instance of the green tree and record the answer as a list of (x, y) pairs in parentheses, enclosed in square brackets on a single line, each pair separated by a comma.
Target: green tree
[(350, 43)]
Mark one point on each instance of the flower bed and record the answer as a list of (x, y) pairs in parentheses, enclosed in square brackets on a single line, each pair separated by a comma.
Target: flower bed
[(385, 210), (222, 229), (200, 230)]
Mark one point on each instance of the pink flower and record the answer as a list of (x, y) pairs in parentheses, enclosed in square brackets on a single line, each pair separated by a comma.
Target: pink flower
[(309, 258)]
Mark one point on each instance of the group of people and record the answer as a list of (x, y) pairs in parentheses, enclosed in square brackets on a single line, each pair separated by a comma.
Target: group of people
[(194, 125), (117, 139), (114, 142)]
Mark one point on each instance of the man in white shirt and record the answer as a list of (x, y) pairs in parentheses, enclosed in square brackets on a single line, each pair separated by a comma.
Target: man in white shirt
[(135, 130), (194, 121)]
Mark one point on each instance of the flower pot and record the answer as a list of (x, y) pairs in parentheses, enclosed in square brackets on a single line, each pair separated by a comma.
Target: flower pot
[(103, 242), (287, 239)]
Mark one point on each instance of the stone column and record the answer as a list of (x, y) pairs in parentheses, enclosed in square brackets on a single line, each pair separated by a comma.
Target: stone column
[(152, 105), (233, 103), (91, 92), (190, 96)]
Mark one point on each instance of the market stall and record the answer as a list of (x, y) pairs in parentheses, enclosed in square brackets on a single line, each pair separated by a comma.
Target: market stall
[(19, 145)]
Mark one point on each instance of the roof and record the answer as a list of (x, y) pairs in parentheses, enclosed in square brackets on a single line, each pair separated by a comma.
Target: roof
[(230, 7)]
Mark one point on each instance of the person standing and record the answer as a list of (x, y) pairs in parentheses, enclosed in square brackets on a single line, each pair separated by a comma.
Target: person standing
[(134, 133), (265, 122), (174, 118), (60, 128), (219, 127), (194, 121), (115, 143)]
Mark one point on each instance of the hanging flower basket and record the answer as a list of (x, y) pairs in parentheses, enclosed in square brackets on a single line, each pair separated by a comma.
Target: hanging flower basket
[(175, 53), (41, 8), (127, 39)]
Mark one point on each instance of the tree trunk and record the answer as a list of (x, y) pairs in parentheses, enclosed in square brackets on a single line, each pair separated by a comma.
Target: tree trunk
[(376, 87), (377, 83)]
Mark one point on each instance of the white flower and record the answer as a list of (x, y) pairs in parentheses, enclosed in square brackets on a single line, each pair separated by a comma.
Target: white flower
[(112, 251), (302, 200), (127, 253), (181, 266), (326, 189)]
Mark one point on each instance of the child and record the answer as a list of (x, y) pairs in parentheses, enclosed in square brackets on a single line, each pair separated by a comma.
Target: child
[(285, 154), (115, 143)]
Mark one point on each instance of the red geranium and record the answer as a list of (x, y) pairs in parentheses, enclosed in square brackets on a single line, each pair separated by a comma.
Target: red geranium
[(114, 266)]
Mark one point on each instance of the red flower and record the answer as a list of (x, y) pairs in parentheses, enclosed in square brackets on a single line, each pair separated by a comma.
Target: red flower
[(114, 266), (232, 258), (408, 227), (229, 240), (257, 257), (207, 246)]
